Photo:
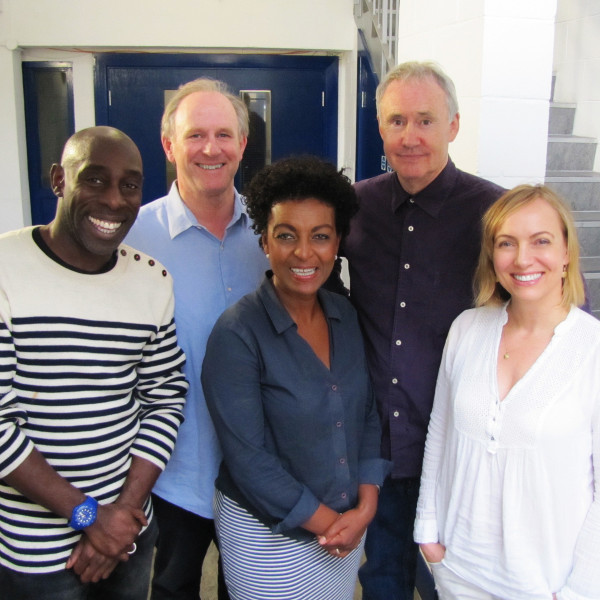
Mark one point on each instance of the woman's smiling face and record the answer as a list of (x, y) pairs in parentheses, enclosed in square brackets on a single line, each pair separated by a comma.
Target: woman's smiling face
[(302, 243), (530, 253)]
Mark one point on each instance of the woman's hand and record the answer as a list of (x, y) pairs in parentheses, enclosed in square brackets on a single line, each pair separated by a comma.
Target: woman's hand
[(346, 532), (433, 552)]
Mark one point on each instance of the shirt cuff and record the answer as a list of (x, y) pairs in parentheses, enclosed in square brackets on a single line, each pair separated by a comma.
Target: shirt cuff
[(304, 509), (374, 471), (426, 531)]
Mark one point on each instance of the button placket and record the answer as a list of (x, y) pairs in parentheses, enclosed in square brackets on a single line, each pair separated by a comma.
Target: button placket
[(492, 429)]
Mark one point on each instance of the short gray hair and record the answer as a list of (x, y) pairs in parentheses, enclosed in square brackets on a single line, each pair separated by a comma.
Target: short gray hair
[(420, 70), (203, 84)]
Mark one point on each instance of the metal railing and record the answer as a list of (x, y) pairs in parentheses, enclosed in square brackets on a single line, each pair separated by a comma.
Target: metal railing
[(385, 13), (379, 21)]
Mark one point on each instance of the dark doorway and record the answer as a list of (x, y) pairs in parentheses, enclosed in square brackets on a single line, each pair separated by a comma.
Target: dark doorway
[(49, 122)]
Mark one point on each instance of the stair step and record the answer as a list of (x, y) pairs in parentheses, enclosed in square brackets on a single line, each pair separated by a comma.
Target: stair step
[(580, 190), (589, 238), (561, 118), (591, 266), (592, 284), (587, 216), (570, 153)]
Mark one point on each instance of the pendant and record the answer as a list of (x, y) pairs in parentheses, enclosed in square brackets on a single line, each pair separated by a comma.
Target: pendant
[(506, 355)]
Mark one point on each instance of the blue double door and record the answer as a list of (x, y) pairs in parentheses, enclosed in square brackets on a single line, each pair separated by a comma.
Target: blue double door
[(302, 94)]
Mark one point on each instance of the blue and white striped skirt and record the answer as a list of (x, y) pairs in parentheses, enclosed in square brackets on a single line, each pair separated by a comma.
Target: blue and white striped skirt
[(262, 565)]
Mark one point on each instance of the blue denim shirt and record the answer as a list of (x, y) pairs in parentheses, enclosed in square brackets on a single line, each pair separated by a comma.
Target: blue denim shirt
[(293, 432)]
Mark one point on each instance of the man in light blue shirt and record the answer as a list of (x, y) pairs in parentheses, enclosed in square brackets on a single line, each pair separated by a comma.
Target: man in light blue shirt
[(200, 231)]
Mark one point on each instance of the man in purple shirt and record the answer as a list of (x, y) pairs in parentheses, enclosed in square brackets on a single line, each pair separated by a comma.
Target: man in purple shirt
[(412, 250)]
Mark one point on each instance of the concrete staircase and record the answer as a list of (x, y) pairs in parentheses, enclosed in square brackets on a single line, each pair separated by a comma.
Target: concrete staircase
[(378, 20), (569, 165)]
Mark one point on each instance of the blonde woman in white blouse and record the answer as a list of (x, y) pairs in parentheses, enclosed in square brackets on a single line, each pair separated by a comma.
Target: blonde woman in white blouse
[(509, 506)]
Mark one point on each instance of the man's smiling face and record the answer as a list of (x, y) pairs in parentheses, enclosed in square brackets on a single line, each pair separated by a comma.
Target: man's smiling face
[(99, 186), (206, 146)]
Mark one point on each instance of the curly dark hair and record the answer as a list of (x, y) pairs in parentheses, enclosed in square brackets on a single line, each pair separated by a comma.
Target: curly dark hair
[(299, 178)]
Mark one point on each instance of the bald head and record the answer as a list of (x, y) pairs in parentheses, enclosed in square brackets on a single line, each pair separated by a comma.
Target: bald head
[(80, 144)]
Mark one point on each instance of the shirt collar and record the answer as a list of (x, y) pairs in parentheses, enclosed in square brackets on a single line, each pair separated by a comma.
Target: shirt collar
[(279, 315), (181, 218), (432, 198)]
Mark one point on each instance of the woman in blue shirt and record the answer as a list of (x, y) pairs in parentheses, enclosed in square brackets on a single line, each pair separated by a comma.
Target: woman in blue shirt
[(286, 383)]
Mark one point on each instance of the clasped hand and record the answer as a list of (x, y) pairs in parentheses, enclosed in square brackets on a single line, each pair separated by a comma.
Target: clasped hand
[(344, 534), (106, 542)]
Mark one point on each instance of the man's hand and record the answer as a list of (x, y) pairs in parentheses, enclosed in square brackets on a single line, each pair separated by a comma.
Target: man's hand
[(116, 527), (89, 564)]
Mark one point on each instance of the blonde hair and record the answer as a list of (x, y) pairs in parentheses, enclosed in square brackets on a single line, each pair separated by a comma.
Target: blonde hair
[(487, 289), (203, 84)]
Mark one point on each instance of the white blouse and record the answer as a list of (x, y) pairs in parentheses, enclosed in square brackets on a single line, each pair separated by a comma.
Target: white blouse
[(509, 487)]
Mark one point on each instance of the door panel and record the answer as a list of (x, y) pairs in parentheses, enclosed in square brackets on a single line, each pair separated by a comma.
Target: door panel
[(49, 120), (130, 96), (370, 158)]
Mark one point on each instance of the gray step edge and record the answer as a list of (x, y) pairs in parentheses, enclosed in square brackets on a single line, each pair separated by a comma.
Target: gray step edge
[(586, 215), (575, 176), (561, 138)]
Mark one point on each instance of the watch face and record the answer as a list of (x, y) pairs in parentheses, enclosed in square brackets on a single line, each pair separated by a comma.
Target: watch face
[(85, 516)]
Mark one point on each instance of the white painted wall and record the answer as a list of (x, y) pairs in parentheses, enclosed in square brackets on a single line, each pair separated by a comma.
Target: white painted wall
[(14, 212), (577, 64), (275, 24), (499, 54), (71, 30)]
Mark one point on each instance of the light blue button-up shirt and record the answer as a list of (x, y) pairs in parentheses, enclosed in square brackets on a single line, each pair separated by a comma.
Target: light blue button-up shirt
[(209, 275)]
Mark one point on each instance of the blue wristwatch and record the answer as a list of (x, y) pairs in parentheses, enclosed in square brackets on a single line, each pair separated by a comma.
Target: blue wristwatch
[(84, 514)]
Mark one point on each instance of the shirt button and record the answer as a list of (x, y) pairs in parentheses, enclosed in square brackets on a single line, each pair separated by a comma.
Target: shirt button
[(402, 304), (411, 200), (338, 424), (342, 461), (228, 289), (411, 228), (396, 413), (407, 266), (344, 495), (394, 381), (398, 342), (334, 387)]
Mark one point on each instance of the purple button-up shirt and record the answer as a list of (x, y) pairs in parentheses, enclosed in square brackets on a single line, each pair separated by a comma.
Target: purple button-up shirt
[(411, 261)]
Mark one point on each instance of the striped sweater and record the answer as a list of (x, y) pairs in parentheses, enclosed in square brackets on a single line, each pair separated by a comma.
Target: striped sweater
[(90, 374)]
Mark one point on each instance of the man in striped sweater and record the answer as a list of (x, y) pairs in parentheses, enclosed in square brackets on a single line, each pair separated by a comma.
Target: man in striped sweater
[(91, 387)]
